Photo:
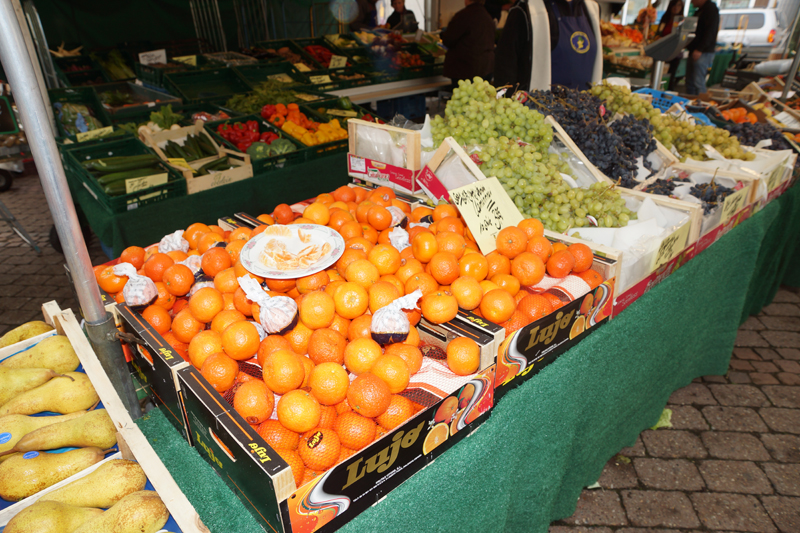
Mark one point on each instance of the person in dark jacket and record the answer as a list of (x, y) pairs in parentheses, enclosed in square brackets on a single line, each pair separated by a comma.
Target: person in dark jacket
[(701, 49), (469, 38), (366, 17), (402, 19), (672, 16)]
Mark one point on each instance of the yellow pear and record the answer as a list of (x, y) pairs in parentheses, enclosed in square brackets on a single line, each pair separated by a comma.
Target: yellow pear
[(25, 474), (14, 427), (94, 428), (15, 381), (140, 512), (65, 394), (55, 353), (24, 332), (108, 484), (50, 517)]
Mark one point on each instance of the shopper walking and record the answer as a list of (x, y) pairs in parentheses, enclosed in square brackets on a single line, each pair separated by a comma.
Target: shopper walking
[(701, 49), (469, 38)]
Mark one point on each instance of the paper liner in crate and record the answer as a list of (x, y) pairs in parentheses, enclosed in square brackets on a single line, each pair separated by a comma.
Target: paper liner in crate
[(571, 287)]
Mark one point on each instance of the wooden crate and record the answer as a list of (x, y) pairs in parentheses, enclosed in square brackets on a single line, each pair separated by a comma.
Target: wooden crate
[(132, 443), (397, 174)]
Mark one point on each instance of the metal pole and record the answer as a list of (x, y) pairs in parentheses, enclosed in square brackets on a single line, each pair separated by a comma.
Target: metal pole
[(99, 324), (789, 80), (658, 69)]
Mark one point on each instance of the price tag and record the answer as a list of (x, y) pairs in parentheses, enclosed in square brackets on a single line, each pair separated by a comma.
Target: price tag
[(95, 134), (429, 183), (338, 62), (302, 67), (283, 77), (141, 184), (342, 113), (307, 97), (180, 162), (671, 246), (316, 80), (734, 203), (186, 60), (775, 178), (487, 208), (152, 57)]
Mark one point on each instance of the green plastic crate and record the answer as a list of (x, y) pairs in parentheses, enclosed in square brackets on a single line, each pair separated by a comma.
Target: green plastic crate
[(154, 75), (331, 38), (291, 45), (144, 99), (212, 85), (262, 165), (319, 41), (77, 78), (78, 95), (314, 108), (320, 150), (175, 187), (261, 72)]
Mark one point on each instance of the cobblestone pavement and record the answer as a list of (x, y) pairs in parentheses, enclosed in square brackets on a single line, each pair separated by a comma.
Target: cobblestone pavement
[(730, 461)]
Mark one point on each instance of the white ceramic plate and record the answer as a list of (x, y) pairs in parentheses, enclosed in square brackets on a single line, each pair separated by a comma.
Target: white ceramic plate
[(315, 235)]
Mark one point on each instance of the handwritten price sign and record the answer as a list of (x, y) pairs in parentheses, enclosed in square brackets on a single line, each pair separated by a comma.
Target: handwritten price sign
[(302, 67), (153, 57), (672, 245), (734, 203), (487, 208), (775, 178), (338, 62), (186, 60), (141, 184), (316, 80), (282, 77)]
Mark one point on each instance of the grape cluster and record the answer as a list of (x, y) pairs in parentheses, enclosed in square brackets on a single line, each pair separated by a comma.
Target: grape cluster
[(750, 134), (711, 195), (637, 134)]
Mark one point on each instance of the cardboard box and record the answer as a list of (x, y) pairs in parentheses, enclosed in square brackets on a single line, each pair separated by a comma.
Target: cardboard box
[(400, 171)]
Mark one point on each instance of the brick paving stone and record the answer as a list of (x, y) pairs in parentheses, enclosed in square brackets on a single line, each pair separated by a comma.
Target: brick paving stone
[(737, 364), (781, 309), (748, 338), (649, 508), (763, 379), (789, 353), (739, 378), (785, 478), (789, 366), (765, 366), (784, 296), (715, 379), (783, 396), (694, 393), (735, 512), (733, 419), (567, 529), (673, 444), (789, 379), (746, 353), (687, 417), (782, 420), (785, 512), (781, 323), (739, 395), (598, 508), (767, 354), (735, 476), (646, 530), (637, 450), (752, 323), (618, 474), (782, 339), (734, 445), (676, 474)]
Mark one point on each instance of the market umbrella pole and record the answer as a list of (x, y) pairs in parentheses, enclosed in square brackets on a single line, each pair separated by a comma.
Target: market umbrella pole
[(99, 323)]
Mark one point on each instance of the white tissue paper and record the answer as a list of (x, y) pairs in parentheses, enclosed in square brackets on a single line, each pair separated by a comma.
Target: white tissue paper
[(173, 242), (380, 145), (139, 290)]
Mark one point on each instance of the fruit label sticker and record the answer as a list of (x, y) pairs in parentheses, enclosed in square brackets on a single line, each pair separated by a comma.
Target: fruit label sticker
[(30, 455), (141, 184), (671, 246), (95, 134), (302, 67), (283, 77), (153, 57), (338, 62), (186, 60), (734, 203), (316, 80), (429, 183), (487, 208), (5, 437)]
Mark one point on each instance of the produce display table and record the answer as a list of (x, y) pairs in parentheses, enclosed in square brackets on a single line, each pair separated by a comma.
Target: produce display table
[(147, 224), (549, 438), (395, 89)]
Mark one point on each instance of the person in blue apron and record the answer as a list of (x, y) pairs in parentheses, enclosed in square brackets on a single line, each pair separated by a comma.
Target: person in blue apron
[(550, 42)]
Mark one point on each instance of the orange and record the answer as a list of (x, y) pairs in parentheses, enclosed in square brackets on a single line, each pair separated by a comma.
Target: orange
[(178, 279), (317, 309), (240, 234), (355, 431), (165, 299), (270, 344), (535, 306), (413, 337), (261, 228), (541, 247), (349, 256), (463, 356), (177, 345), (133, 255), (343, 407), (360, 328), (451, 224), (317, 213), (325, 198), (473, 265), (158, 317), (379, 217), (386, 258), (444, 210), (531, 227), (266, 219), (185, 326), (254, 401), (418, 213), (220, 371), (283, 214), (240, 271), (225, 318), (280, 285), (351, 300), (506, 282), (326, 346), (194, 232), (558, 246), (487, 286), (439, 307), (350, 229), (225, 281), (424, 246), (497, 306), (361, 194), (329, 383), (468, 292), (217, 229), (339, 218), (394, 281), (363, 210), (447, 241), (360, 354), (511, 241), (328, 417), (242, 304), (155, 266), (340, 325), (308, 366), (444, 267), (295, 462), (517, 321), (311, 283), (363, 272), (278, 436), (498, 264), (178, 255), (240, 340), (369, 395), (408, 267), (400, 409), (591, 277), (205, 304), (409, 354), (299, 411), (203, 345), (207, 241), (528, 268), (319, 449), (180, 305), (422, 281), (554, 300), (344, 193), (283, 371), (393, 370), (382, 294), (583, 257), (234, 249), (560, 264), (299, 338)]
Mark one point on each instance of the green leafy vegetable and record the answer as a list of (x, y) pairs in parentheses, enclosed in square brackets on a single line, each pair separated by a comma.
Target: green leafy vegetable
[(165, 118), (282, 146), (116, 98), (259, 150), (268, 92)]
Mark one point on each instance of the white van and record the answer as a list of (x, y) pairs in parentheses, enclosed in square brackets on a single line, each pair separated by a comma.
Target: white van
[(759, 34)]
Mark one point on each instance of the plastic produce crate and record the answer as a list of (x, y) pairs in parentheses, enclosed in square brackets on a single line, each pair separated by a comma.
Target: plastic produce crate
[(261, 72), (211, 85), (175, 186), (154, 74), (319, 150), (319, 41), (291, 45), (142, 97), (231, 59), (74, 78), (337, 110), (78, 95), (663, 101)]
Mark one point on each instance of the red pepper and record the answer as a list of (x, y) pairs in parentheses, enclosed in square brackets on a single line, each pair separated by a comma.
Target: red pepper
[(243, 146), (267, 111), (251, 136), (268, 137)]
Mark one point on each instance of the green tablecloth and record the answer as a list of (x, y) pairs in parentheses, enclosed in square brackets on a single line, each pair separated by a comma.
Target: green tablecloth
[(146, 225), (549, 438)]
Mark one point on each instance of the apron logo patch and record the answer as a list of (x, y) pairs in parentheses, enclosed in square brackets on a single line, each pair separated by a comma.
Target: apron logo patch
[(579, 42)]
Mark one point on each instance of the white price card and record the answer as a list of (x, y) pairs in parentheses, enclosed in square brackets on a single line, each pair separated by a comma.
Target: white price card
[(338, 62), (141, 184), (302, 67), (316, 80), (152, 57)]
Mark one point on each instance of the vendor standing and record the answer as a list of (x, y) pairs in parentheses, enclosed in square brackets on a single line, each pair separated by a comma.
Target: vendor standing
[(701, 49), (402, 19), (550, 42), (469, 38)]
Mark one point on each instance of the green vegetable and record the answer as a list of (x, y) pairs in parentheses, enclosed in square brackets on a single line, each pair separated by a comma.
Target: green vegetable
[(206, 146), (345, 103), (282, 146), (108, 179), (260, 150), (115, 65), (217, 164), (116, 98), (130, 127), (165, 118), (120, 164), (76, 118), (268, 92)]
